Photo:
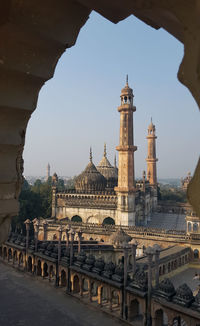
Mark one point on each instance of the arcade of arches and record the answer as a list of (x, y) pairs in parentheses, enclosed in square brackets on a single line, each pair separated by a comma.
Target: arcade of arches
[(34, 35)]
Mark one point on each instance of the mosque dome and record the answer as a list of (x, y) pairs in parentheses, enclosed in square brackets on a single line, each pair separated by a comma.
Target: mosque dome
[(109, 172), (90, 179)]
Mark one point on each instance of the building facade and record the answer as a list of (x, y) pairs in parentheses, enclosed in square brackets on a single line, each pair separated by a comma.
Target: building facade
[(105, 194)]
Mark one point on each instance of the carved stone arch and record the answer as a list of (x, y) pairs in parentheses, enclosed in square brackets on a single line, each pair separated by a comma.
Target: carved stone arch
[(46, 31), (93, 219)]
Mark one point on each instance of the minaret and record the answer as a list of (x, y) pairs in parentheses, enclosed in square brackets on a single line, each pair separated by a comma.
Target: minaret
[(126, 176), (48, 172), (151, 157), (151, 162)]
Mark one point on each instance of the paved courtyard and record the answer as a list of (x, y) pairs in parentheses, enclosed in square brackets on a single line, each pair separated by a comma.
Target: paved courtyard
[(28, 301)]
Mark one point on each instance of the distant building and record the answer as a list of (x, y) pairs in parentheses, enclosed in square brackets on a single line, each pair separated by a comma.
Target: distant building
[(185, 182)]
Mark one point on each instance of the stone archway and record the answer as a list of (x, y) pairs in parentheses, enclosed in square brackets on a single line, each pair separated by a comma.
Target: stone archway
[(109, 221), (76, 218), (76, 284), (63, 278), (29, 264), (36, 39), (39, 268), (134, 310)]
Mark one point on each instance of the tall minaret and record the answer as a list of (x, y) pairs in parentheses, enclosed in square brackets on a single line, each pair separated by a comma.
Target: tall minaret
[(151, 157), (126, 176), (48, 172), (151, 161)]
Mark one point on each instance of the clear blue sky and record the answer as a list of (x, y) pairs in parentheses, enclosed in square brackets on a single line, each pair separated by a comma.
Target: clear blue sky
[(78, 107)]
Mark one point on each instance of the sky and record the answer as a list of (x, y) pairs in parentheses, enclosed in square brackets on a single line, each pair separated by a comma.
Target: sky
[(77, 108)]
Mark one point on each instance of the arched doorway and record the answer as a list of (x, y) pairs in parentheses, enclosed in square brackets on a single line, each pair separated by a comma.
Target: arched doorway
[(39, 268), (159, 317), (63, 278), (9, 254), (134, 310), (76, 284), (196, 254), (109, 221), (20, 259), (15, 257), (51, 273), (76, 218), (45, 270), (29, 264), (4, 253)]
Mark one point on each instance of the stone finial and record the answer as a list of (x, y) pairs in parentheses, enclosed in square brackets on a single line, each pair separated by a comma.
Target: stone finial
[(156, 247), (104, 154), (91, 154), (127, 79), (115, 161)]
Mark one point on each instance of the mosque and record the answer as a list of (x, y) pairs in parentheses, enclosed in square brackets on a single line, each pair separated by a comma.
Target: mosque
[(105, 194)]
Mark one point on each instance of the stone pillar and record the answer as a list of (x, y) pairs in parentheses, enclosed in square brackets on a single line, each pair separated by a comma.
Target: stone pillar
[(100, 295), (36, 225), (59, 229), (45, 227), (81, 286), (157, 256), (125, 307), (134, 245), (72, 232), (79, 240), (110, 298), (27, 223), (67, 235), (90, 290), (149, 252)]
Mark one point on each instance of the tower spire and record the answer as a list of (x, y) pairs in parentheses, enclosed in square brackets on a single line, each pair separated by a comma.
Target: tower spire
[(90, 154), (104, 150), (115, 161), (127, 79)]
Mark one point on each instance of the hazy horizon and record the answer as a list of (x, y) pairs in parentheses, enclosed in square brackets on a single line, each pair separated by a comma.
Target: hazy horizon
[(78, 107)]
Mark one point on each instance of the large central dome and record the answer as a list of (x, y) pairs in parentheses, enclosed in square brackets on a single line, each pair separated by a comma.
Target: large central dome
[(90, 179)]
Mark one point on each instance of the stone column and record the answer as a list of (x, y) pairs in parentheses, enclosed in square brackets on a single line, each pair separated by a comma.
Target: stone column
[(36, 225), (90, 290), (149, 252), (59, 229), (45, 226), (157, 259), (110, 298), (67, 229), (72, 232), (126, 247), (27, 223), (100, 295), (134, 245), (79, 240)]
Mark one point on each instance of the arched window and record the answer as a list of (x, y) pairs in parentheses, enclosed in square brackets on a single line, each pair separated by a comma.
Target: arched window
[(189, 227), (195, 227), (196, 254), (76, 218), (108, 220)]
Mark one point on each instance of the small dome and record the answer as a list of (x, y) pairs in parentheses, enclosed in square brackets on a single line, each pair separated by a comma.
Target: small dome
[(90, 179), (167, 286), (109, 172), (119, 238), (127, 90), (184, 292)]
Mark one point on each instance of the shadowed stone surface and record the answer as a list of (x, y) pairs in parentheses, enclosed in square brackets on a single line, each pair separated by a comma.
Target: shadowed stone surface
[(30, 301)]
